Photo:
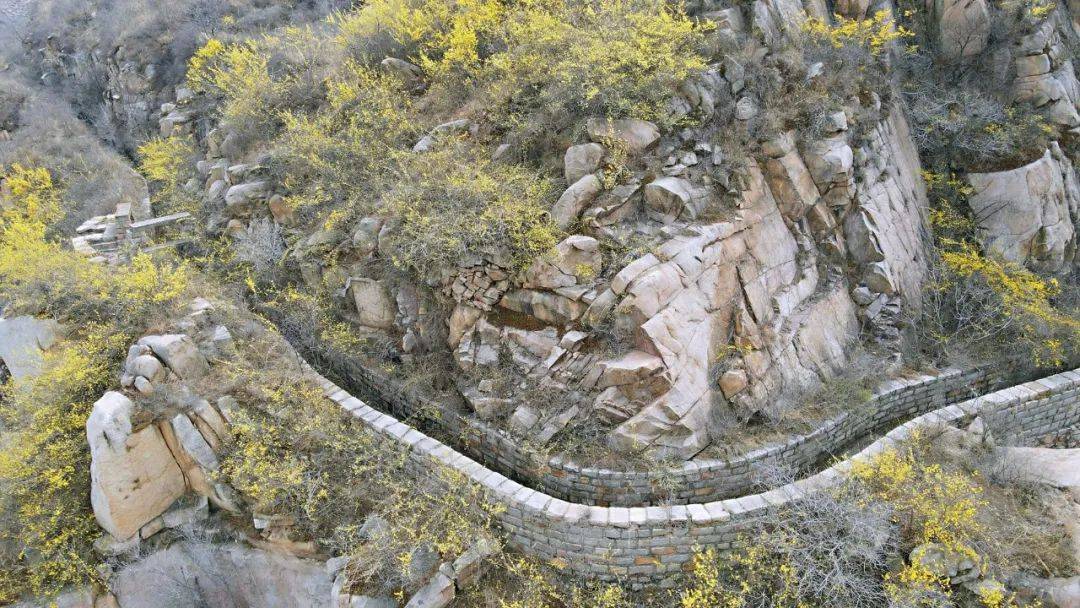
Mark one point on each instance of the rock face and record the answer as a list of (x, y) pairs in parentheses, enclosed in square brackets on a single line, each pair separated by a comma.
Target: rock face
[(581, 160), (887, 231), (721, 318), (1028, 215), (133, 475), (574, 200), (1046, 76), (713, 281), (961, 27), (576, 257), (1057, 467), (674, 197), (201, 574), (374, 306), (637, 135), (21, 341)]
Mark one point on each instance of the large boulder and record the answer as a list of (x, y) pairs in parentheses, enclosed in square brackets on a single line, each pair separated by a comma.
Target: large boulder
[(549, 307), (574, 200), (790, 181), (22, 339), (576, 259), (673, 197), (636, 135), (194, 573), (374, 306), (244, 197), (133, 475), (1056, 467), (179, 354), (961, 27), (581, 160), (447, 129), (437, 593), (1025, 213)]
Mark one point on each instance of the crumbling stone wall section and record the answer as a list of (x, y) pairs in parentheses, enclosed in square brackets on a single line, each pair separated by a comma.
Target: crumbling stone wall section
[(652, 543)]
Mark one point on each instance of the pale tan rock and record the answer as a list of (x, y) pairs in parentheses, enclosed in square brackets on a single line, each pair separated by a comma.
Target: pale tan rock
[(889, 223), (374, 306), (1032, 65), (22, 341), (576, 259), (581, 160), (791, 184), (962, 27), (635, 366), (637, 135), (575, 200), (133, 475), (746, 278), (672, 196), (546, 306), (733, 382), (242, 198), (1025, 212), (179, 354), (461, 320), (1057, 467), (193, 573)]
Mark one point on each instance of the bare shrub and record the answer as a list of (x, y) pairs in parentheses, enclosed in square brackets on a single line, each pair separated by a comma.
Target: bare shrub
[(829, 549), (839, 544), (261, 245)]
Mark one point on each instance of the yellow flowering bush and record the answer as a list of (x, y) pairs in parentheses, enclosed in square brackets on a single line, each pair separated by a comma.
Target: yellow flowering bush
[(44, 467), (742, 579), (29, 192), (875, 33), (982, 300), (200, 72), (294, 453), (437, 35), (1025, 299), (166, 163), (457, 204), (340, 153), (932, 505), (619, 58)]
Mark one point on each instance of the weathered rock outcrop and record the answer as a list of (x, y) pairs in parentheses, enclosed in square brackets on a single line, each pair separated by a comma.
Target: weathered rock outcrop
[(198, 573), (712, 284), (22, 340), (1046, 76), (960, 27), (134, 476), (1029, 215), (1056, 467)]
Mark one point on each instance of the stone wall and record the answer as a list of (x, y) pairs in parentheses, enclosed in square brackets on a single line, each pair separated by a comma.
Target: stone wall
[(653, 543), (693, 481)]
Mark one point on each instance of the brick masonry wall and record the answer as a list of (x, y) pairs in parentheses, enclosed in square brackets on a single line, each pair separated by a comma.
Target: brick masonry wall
[(652, 543), (689, 482)]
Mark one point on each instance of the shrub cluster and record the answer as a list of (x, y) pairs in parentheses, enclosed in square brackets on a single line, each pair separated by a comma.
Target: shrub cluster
[(46, 525), (975, 304)]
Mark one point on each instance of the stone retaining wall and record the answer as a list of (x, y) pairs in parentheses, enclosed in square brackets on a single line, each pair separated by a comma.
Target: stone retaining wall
[(692, 481), (652, 543)]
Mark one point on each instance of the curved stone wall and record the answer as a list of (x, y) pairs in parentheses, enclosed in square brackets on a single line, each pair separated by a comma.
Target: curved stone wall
[(651, 543), (692, 481)]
